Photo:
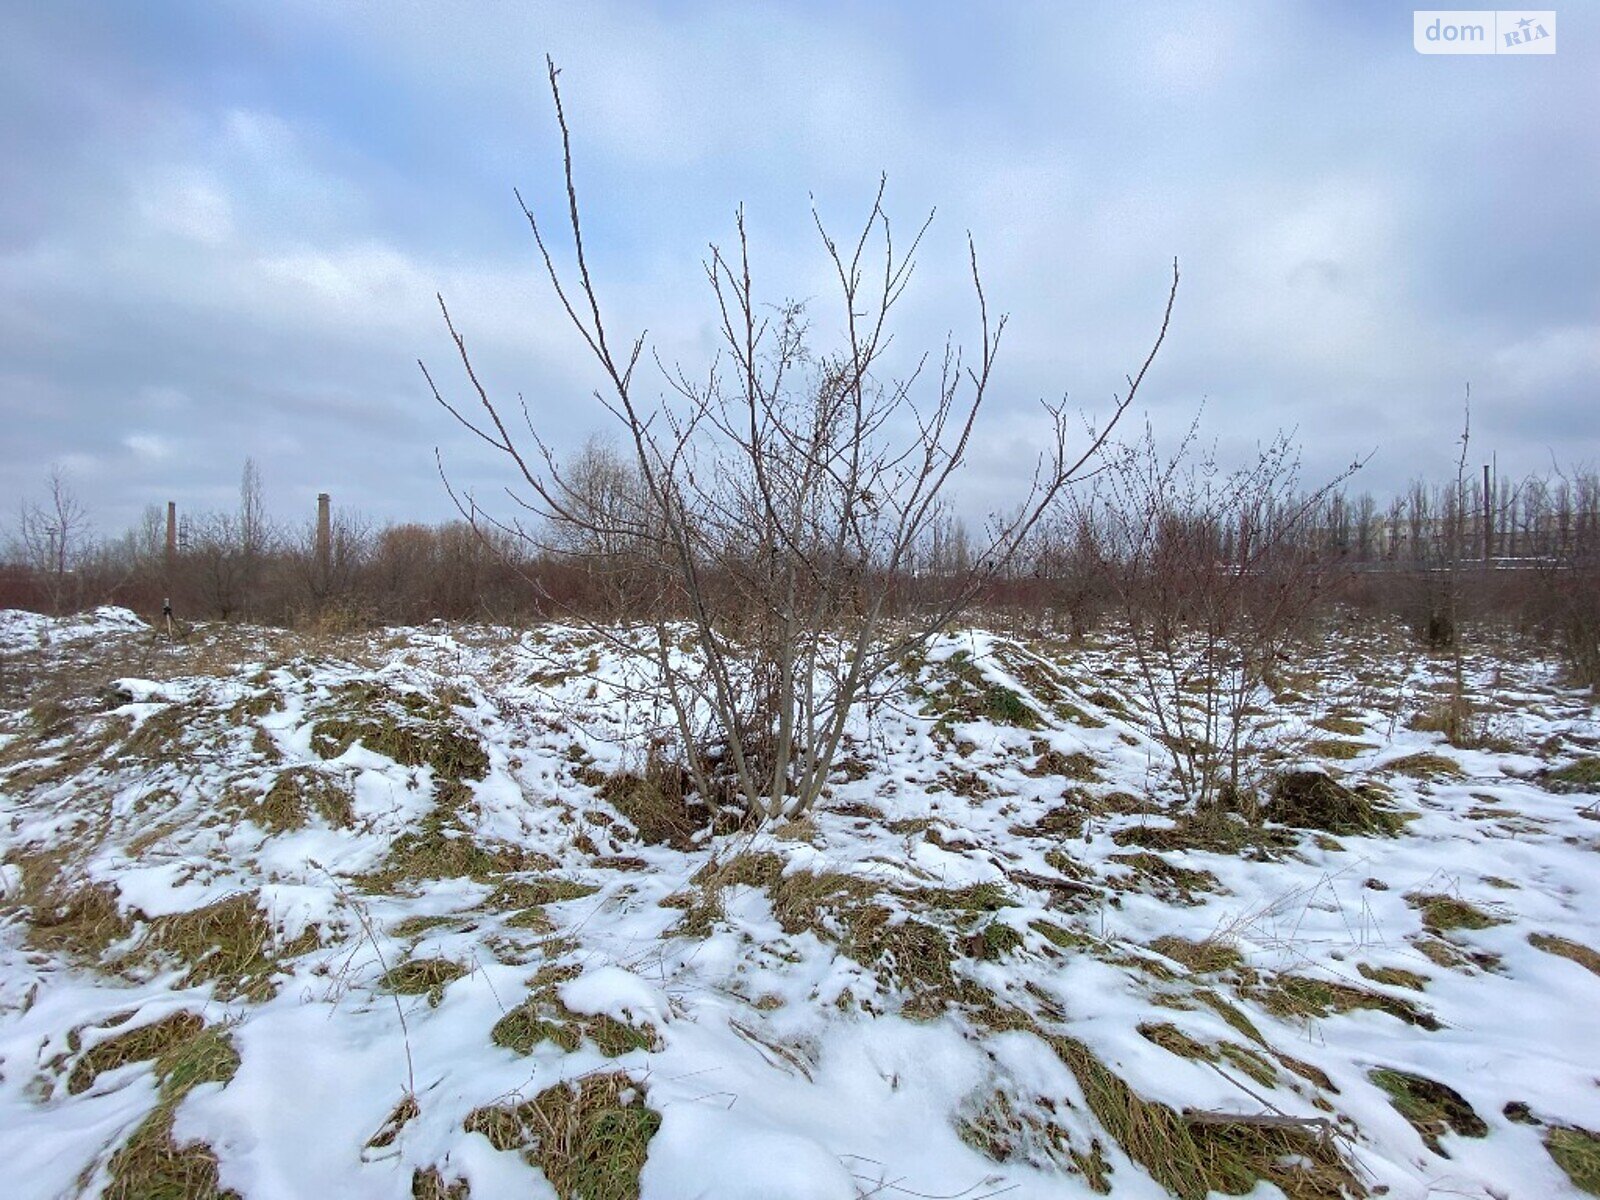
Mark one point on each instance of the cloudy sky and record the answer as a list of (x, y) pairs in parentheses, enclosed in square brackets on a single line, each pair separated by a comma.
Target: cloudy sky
[(222, 225)]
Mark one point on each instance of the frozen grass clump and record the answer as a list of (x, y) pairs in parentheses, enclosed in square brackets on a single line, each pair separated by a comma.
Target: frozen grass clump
[(1566, 948), (151, 1164), (1426, 766), (143, 1044), (413, 729), (423, 977), (1300, 997), (229, 944), (1580, 775), (1432, 1108), (1208, 957), (1194, 1155), (299, 793), (1443, 913), (589, 1136), (1314, 800), (1577, 1152)]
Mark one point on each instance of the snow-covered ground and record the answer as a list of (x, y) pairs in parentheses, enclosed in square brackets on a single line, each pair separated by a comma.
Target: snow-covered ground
[(346, 919)]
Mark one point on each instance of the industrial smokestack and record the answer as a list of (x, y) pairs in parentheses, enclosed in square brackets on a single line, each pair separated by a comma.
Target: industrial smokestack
[(324, 533)]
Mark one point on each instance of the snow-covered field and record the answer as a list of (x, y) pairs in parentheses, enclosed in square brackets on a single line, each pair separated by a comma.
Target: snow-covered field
[(383, 916)]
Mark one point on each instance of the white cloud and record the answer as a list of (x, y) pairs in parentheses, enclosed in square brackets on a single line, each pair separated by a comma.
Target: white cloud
[(186, 202), (1551, 358), (148, 447)]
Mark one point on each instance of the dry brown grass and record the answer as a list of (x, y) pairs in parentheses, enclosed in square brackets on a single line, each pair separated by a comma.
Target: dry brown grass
[(1208, 957), (413, 729), (428, 1184), (229, 944), (66, 915), (151, 1165), (1193, 1158), (1565, 948), (143, 1044), (423, 977), (298, 793), (1432, 1108), (588, 1136)]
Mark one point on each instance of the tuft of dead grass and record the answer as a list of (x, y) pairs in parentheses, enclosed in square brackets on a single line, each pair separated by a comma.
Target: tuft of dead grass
[(413, 729), (1338, 749), (423, 977), (144, 1044), (1430, 1107), (1194, 1155), (1577, 1152), (1441, 913), (660, 802), (443, 847), (1393, 977), (1576, 951), (1580, 775), (389, 1132), (1300, 997), (428, 1184), (229, 944), (1208, 957), (1175, 884), (1425, 766), (589, 1136), (151, 1165), (66, 915), (298, 793), (539, 890), (1314, 800), (1005, 1129)]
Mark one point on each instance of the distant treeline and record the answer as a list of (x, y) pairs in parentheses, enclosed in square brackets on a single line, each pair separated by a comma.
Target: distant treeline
[(1521, 551)]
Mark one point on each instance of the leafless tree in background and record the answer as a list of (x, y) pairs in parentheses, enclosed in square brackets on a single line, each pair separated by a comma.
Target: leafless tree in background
[(255, 538), (773, 495), (51, 537)]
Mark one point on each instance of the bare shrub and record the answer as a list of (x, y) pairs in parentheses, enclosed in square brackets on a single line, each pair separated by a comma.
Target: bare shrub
[(1213, 576), (771, 498)]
